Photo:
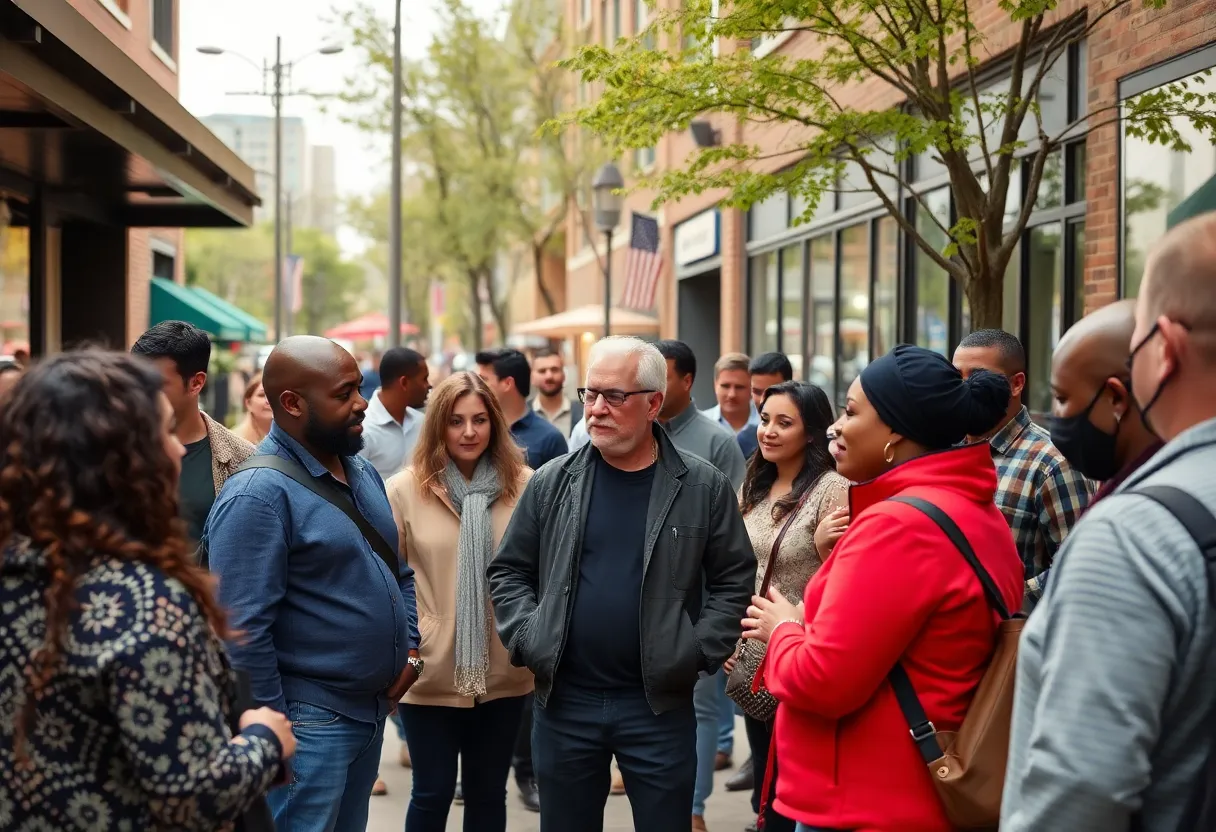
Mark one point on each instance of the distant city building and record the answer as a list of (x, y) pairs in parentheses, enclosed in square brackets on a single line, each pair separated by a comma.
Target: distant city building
[(323, 190), (252, 138)]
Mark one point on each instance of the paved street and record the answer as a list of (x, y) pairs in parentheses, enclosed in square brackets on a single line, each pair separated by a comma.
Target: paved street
[(726, 812)]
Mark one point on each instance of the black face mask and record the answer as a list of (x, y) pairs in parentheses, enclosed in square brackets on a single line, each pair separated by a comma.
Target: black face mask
[(1087, 448), (1145, 408)]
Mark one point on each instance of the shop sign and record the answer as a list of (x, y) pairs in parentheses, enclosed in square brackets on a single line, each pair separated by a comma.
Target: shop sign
[(697, 238)]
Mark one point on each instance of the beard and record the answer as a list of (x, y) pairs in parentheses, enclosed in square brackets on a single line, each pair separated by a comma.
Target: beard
[(334, 440), (550, 388)]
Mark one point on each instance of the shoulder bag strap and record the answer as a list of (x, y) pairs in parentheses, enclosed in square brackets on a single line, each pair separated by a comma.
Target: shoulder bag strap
[(923, 732), (295, 471), (785, 527)]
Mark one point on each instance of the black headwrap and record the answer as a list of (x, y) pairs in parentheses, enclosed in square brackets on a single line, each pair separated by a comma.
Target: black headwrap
[(923, 397)]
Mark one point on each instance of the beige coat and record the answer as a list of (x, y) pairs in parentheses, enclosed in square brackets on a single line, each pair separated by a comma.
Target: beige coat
[(228, 451), (429, 529)]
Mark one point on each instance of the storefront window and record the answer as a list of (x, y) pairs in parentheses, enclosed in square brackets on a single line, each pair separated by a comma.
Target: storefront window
[(853, 343), (1077, 230), (791, 305), (1046, 296), (1162, 187), (14, 285), (764, 303), (932, 282), (820, 346), (886, 287)]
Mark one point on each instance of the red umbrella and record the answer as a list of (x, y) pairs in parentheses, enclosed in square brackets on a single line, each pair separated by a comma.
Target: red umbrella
[(366, 328)]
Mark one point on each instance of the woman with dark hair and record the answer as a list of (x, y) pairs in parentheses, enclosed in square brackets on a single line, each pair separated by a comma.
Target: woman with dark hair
[(113, 677), (792, 480), (895, 591), (452, 507)]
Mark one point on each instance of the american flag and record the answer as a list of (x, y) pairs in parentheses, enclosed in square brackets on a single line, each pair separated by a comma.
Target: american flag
[(644, 264)]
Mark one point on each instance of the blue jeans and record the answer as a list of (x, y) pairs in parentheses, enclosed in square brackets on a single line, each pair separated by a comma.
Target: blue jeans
[(726, 732), (708, 706), (483, 736), (574, 739), (333, 771)]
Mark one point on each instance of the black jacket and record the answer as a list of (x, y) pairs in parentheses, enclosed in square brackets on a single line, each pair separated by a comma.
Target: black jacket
[(695, 538)]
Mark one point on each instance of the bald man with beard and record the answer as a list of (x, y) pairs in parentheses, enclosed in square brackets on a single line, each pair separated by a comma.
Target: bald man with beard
[(328, 626), (1116, 682)]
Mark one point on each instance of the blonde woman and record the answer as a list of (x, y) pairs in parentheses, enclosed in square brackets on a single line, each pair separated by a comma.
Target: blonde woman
[(452, 507), (258, 416)]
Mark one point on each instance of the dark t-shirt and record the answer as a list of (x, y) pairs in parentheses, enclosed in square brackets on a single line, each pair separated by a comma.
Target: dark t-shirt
[(196, 490), (604, 643)]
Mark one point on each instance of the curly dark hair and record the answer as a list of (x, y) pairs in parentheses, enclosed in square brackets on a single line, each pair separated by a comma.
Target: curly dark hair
[(816, 412), (84, 476)]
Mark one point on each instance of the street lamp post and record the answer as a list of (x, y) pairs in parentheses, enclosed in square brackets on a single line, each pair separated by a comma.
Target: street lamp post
[(394, 236), (606, 194), (275, 94)]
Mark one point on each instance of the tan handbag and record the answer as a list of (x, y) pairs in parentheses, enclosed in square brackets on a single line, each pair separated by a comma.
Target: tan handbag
[(968, 766), (757, 702)]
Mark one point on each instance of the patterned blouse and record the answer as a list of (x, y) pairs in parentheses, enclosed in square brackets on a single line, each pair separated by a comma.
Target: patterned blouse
[(798, 559), (131, 733)]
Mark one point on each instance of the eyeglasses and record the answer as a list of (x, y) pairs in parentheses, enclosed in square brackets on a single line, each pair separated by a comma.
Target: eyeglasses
[(615, 398)]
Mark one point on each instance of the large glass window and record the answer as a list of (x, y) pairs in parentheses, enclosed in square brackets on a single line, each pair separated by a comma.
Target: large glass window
[(1045, 255), (14, 286), (886, 287), (1162, 187), (820, 346), (792, 305), (764, 283), (1077, 231), (853, 343), (932, 282)]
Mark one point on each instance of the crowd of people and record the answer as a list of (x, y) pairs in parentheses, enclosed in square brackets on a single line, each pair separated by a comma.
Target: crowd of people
[(203, 628)]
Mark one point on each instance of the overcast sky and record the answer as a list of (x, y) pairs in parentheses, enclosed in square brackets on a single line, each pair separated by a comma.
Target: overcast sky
[(250, 26)]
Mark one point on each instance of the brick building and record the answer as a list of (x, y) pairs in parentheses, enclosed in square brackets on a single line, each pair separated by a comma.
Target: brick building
[(100, 168), (836, 291)]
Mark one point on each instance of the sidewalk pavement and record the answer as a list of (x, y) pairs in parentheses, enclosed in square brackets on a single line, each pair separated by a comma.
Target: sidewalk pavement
[(725, 811)]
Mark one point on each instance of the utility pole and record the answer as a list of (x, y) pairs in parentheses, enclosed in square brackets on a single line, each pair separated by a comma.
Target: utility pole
[(394, 248), (279, 318)]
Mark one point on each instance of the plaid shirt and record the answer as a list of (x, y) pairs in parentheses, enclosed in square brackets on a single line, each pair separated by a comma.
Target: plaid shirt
[(1040, 494)]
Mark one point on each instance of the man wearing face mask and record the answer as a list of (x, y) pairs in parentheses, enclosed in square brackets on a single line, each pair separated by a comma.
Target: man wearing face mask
[(1116, 685), (1095, 422)]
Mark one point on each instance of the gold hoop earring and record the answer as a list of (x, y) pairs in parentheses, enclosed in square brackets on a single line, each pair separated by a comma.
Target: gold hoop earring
[(888, 454)]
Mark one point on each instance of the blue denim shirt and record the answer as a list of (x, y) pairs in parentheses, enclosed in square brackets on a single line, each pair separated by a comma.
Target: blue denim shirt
[(321, 618)]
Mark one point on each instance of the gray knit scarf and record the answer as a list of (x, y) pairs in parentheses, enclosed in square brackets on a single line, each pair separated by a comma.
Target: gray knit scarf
[(472, 502)]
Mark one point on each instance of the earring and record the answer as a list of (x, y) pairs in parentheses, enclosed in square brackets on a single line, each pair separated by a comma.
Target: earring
[(888, 454)]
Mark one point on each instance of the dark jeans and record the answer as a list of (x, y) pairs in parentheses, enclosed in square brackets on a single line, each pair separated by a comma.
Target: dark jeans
[(482, 738), (522, 759), (760, 738), (574, 740)]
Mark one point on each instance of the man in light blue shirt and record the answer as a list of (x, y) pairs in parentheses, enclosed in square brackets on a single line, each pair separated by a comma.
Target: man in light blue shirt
[(735, 410), (394, 420)]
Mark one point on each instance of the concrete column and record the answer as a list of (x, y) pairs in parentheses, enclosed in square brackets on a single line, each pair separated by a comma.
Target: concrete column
[(734, 281)]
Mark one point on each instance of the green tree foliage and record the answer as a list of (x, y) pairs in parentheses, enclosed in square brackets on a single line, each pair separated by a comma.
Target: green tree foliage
[(930, 52)]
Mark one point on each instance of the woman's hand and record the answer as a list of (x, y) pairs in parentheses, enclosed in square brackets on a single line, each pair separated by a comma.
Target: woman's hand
[(830, 530), (729, 664), (765, 614), (276, 722)]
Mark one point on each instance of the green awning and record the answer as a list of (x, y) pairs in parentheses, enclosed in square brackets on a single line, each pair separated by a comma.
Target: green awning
[(173, 302), (1201, 201), (257, 329)]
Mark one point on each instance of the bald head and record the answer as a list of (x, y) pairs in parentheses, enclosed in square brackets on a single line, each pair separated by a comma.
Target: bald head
[(313, 388), (1096, 347), (1180, 275)]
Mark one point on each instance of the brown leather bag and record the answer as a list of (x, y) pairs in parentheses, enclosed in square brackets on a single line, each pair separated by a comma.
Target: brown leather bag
[(968, 766)]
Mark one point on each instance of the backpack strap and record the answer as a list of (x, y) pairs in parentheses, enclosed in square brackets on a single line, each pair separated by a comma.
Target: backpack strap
[(330, 494), (923, 732)]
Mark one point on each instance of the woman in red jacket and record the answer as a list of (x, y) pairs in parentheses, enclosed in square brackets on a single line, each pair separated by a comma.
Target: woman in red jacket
[(893, 590)]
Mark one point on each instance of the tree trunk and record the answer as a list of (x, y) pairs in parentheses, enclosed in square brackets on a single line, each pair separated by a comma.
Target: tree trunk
[(474, 278), (538, 261), (497, 309), (986, 297)]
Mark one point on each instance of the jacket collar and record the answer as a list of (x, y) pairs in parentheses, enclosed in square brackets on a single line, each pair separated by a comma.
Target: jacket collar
[(537, 407), (669, 457), (967, 470), (221, 451), (1005, 438), (680, 422), (1193, 438), (377, 413), (295, 449)]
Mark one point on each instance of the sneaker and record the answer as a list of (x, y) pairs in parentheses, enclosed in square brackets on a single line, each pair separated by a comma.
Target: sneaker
[(743, 779), (721, 761), (618, 782), (380, 788)]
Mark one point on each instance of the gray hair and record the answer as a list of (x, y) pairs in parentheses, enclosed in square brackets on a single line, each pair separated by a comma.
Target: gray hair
[(652, 366)]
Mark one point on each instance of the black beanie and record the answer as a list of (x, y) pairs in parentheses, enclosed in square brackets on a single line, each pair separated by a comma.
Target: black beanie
[(923, 397)]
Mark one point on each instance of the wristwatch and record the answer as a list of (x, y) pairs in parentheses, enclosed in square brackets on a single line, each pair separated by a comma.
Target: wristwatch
[(417, 663)]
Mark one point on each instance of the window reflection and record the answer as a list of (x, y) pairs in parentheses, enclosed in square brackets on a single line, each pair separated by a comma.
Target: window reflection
[(764, 303), (854, 339), (1077, 230), (14, 287), (886, 286), (1046, 296), (791, 306), (932, 282), (821, 366), (1161, 187)]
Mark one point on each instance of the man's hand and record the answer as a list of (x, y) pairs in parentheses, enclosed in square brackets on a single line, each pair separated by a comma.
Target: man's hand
[(404, 682)]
